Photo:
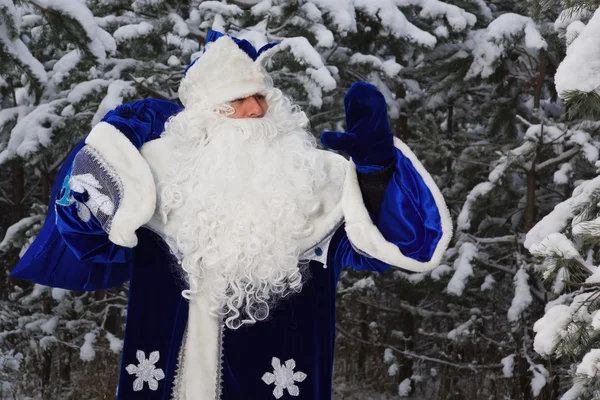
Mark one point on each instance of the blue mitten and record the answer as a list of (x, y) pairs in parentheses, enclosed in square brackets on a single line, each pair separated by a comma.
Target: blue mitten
[(369, 139)]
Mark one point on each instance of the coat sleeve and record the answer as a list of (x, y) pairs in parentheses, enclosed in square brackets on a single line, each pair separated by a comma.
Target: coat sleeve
[(75, 253), (408, 227)]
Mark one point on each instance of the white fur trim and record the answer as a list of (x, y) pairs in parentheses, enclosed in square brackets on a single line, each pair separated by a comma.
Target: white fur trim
[(200, 357), (365, 236), (222, 74), (138, 200)]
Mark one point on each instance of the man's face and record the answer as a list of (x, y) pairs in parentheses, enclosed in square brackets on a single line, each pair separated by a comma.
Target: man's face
[(254, 106)]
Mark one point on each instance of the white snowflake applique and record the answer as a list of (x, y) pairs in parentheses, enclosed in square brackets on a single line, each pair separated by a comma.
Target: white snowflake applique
[(284, 377), (146, 371)]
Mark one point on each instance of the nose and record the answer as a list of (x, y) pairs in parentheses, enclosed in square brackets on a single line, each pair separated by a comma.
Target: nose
[(253, 108)]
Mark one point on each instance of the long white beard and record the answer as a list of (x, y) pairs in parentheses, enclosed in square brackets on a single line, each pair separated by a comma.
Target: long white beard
[(245, 189)]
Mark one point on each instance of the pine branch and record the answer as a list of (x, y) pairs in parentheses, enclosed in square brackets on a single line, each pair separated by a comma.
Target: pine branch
[(584, 105)]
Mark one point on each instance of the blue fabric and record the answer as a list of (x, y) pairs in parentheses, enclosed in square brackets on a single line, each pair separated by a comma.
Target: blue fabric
[(243, 44), (156, 316), (301, 327), (65, 241), (368, 138), (408, 215), (143, 120)]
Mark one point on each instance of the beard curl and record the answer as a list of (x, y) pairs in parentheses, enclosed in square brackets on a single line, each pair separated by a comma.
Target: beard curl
[(243, 192)]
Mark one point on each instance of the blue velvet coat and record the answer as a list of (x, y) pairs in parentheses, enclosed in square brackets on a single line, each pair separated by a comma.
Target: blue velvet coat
[(76, 255)]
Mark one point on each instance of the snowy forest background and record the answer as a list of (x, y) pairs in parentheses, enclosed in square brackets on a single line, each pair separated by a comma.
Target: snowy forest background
[(500, 99)]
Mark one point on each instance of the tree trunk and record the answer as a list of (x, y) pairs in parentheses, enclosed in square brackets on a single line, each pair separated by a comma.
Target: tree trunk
[(539, 84), (530, 209), (402, 121), (18, 191), (450, 122)]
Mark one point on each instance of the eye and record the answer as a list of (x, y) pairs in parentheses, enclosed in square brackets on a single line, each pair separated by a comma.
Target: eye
[(259, 97)]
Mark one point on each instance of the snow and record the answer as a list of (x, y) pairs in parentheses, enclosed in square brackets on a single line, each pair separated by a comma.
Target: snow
[(311, 12), (563, 175), (341, 12), (462, 329), (388, 356), (33, 130), (324, 36), (484, 9), (463, 222), (100, 41), (116, 344), (551, 329), (463, 268), (573, 31), (16, 48), (87, 352), (15, 231), (590, 364), (83, 89), (49, 326), (570, 15), (555, 244), (261, 7), (404, 388), (186, 45), (522, 298), (114, 97), (440, 271), (441, 31), (65, 65), (580, 69), (558, 218), (393, 370), (488, 282), (173, 61), (394, 21), (488, 45), (390, 67), (457, 18), (133, 32), (179, 25), (226, 10), (508, 365), (539, 380), (59, 294)]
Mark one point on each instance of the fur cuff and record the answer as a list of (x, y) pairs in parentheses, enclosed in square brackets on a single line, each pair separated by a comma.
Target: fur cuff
[(138, 201), (365, 236)]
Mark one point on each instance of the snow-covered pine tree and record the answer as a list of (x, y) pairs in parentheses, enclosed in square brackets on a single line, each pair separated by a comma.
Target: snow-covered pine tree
[(503, 137), (566, 241), (65, 64)]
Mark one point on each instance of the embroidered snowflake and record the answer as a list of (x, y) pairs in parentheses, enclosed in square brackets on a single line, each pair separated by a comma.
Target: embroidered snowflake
[(146, 371), (284, 377)]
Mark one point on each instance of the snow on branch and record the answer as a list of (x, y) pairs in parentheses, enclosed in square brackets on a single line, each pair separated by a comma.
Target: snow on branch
[(457, 18), (463, 268), (522, 298), (132, 32), (490, 45), (558, 218), (34, 130), (100, 42), (13, 46), (579, 70), (15, 233)]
